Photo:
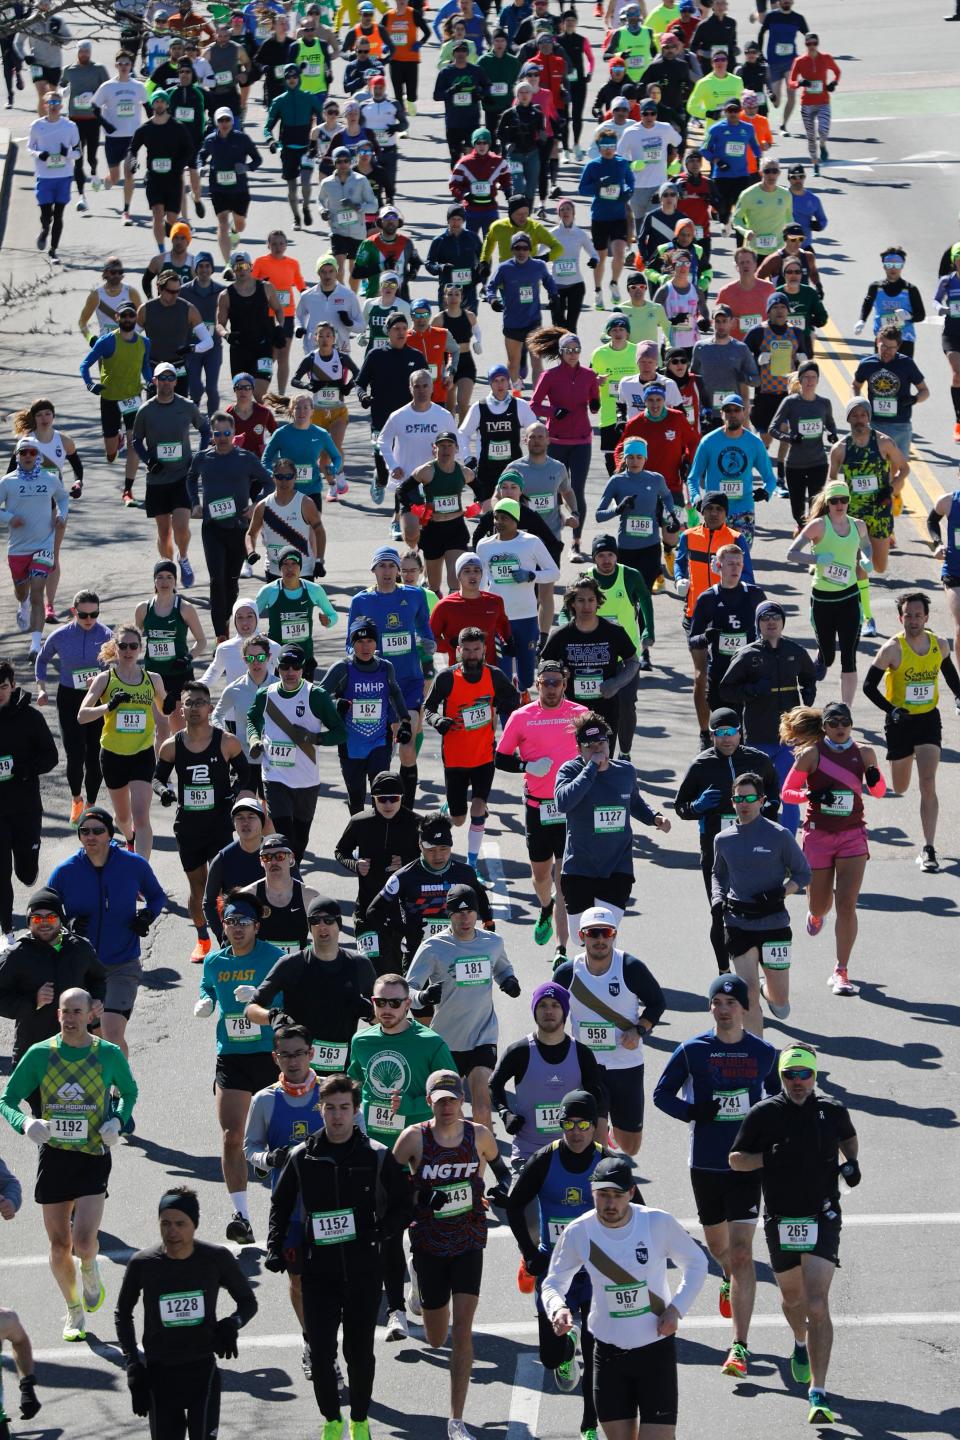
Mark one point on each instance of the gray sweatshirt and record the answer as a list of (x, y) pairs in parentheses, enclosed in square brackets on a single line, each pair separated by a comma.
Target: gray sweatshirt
[(755, 857), (466, 969), (598, 805)]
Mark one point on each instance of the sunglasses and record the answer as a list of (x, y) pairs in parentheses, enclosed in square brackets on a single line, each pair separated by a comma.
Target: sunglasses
[(803, 1074), (388, 799), (223, 434), (575, 1124), (253, 659), (745, 799), (837, 724), (838, 501), (243, 387), (290, 665), (237, 920), (128, 645), (324, 919), (726, 730), (551, 681), (87, 614), (604, 932), (285, 475), (41, 919), (92, 830), (636, 284), (386, 1000)]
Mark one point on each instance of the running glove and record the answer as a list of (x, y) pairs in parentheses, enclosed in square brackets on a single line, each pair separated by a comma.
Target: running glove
[(704, 1111), (276, 1159), (110, 1131), (523, 577), (141, 922), (404, 732), (513, 1124), (850, 1170), (203, 1008), (511, 987), (116, 700), (243, 994), (443, 723), (537, 1264), (708, 799), (430, 995), (538, 767), (138, 1387), (225, 1338), (37, 1130)]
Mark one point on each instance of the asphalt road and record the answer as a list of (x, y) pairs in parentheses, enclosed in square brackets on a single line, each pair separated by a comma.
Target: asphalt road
[(892, 1054)]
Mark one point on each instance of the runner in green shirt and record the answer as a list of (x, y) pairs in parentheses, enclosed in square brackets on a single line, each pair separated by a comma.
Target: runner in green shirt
[(392, 1061)]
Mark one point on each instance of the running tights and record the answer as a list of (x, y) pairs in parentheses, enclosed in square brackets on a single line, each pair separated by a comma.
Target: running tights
[(51, 218)]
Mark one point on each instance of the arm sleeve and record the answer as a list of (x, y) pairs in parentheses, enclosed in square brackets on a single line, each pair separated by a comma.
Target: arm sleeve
[(673, 1077), (565, 1261)]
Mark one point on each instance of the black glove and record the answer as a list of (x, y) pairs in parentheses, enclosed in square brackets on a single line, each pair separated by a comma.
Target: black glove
[(897, 715), (404, 732), (252, 557), (672, 525), (872, 775), (832, 85), (827, 797), (365, 400), (344, 706), (559, 413), (96, 388), (496, 305), (225, 1338), (626, 505), (511, 986), (167, 797), (723, 165), (592, 264), (344, 317), (29, 1404), (272, 147), (276, 1159), (138, 1387), (759, 493), (275, 1264), (107, 125), (497, 1196), (141, 922), (704, 1111), (433, 1200), (593, 406), (513, 1124), (538, 1264), (44, 155), (443, 724), (483, 271), (116, 700), (299, 332), (256, 749), (170, 703), (431, 995), (850, 1170)]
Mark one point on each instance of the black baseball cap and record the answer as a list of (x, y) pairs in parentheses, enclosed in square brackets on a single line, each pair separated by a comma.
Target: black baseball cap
[(275, 842), (290, 655), (436, 830), (593, 731), (614, 1173)]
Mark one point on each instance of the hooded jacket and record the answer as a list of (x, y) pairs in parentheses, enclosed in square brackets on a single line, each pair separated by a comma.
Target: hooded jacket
[(27, 966)]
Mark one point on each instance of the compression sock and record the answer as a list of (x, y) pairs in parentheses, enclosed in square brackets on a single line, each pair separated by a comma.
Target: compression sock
[(202, 932), (419, 741), (238, 1199), (475, 838), (955, 397), (408, 779), (864, 587)]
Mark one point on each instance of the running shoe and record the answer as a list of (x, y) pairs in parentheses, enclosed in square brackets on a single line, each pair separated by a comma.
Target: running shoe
[(560, 958), (307, 215), (723, 1300), (127, 218), (670, 562), (239, 1230), (247, 570), (841, 983), (819, 1412), (332, 1429), (658, 585), (395, 531), (342, 486), (77, 808), (598, 299), (779, 1012), (396, 1326), (456, 1430), (579, 155), (23, 615), (319, 569), (49, 614), (814, 924), (186, 573), (306, 1360), (956, 432), (200, 951), (126, 498), (543, 930), (200, 208), (73, 1324), (331, 491), (414, 1304), (556, 193), (869, 628), (589, 1434), (615, 293), (645, 664), (92, 1287), (54, 257), (359, 1430), (824, 152), (81, 204), (42, 240), (736, 1361), (567, 1375), (377, 492), (800, 1364), (927, 860), (819, 670), (96, 184)]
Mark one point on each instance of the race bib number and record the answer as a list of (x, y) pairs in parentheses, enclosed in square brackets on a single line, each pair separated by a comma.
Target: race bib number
[(224, 78), (327, 395), (82, 678), (368, 943), (333, 1227), (6, 767), (280, 752), (609, 819), (36, 72), (382, 1117), (132, 722), (501, 571), (304, 474), (169, 451), (783, 47), (730, 643), (842, 804), (434, 926), (626, 1302), (953, 309), (129, 406), (312, 69), (734, 1104), (731, 487), (184, 113), (640, 525), (814, 87), (735, 148), (294, 627), (543, 504), (587, 687), (919, 693), (461, 276), (238, 1027), (480, 190), (198, 797), (748, 322), (474, 971), (550, 813), (226, 177), (265, 365), (698, 232), (775, 954), (462, 98), (367, 712), (609, 192), (597, 1035), (160, 649), (223, 509), (458, 1200), (56, 162), (765, 242), (526, 294), (885, 405), (446, 505), (347, 215), (186, 1308), (864, 484), (837, 574), (499, 450), (396, 644), (810, 429), (126, 109), (330, 1055), (476, 717), (499, 87), (161, 165), (798, 1233), (68, 1129), (547, 1119)]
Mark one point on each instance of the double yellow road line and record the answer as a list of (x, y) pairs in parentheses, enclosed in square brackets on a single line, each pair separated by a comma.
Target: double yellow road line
[(838, 365)]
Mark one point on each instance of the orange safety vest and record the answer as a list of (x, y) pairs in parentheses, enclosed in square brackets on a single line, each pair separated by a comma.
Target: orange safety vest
[(374, 37), (702, 545), (471, 742), (402, 30), (432, 344)]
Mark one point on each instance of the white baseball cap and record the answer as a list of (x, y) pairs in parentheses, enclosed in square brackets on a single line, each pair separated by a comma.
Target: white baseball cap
[(597, 915)]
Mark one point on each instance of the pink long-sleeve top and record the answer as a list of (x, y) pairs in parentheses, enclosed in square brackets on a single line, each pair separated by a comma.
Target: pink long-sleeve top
[(571, 388)]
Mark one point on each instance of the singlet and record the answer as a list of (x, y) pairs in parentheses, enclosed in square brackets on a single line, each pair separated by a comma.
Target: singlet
[(185, 271), (369, 693), (225, 64), (896, 310), (432, 344), (52, 451), (121, 374), (842, 773), (498, 436), (284, 925), (473, 706), (249, 316), (329, 379), (537, 1098), (203, 783), (601, 1008), (376, 320), (73, 1098), (461, 1225), (284, 525), (167, 639), (130, 728), (373, 38), (445, 492), (108, 305), (868, 475), (914, 683), (313, 63), (458, 326), (291, 1124), (775, 375), (680, 307), (564, 1195), (618, 607), (168, 329), (839, 572)]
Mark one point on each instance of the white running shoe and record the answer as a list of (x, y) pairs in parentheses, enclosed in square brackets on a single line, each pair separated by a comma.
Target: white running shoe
[(413, 1298), (397, 1326), (456, 1430), (23, 614)]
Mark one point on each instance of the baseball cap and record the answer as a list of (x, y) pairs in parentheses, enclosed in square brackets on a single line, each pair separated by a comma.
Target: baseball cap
[(224, 113), (730, 985), (614, 1173), (323, 905), (290, 655), (421, 306), (248, 802), (550, 667), (836, 490), (436, 830), (461, 897), (794, 1056), (655, 387), (520, 241), (732, 400), (444, 1084), (597, 915), (164, 368), (648, 106), (275, 842), (594, 731)]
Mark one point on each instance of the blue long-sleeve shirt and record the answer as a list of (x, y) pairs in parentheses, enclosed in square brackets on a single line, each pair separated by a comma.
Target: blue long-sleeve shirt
[(105, 897), (598, 805), (610, 184), (103, 348), (705, 1068), (403, 621), (726, 147), (76, 650), (727, 464), (474, 27), (519, 284), (639, 528), (809, 212), (452, 84)]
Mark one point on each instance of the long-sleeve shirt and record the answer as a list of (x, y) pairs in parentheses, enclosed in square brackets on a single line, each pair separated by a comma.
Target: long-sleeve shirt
[(104, 897), (573, 388), (466, 970), (748, 859), (727, 464), (598, 805), (75, 648), (519, 283), (639, 526), (179, 1302), (228, 485), (107, 1066), (54, 145), (27, 966), (706, 1068), (10, 1187), (766, 680), (502, 558), (104, 348)]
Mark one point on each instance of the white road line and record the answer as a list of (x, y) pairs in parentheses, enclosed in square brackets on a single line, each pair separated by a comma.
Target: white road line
[(503, 1232), (500, 895), (525, 1399), (528, 1330)]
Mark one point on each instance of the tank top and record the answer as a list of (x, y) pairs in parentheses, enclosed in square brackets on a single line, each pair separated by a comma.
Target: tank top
[(328, 378), (402, 30), (841, 772), (107, 307), (499, 435), (885, 308), (291, 1124), (681, 310), (121, 374), (373, 38), (915, 683), (52, 453), (458, 326), (472, 705), (167, 639), (313, 62), (225, 64), (564, 1195), (284, 525), (445, 492), (73, 1098), (597, 1003), (284, 925), (432, 345), (203, 783), (185, 271), (461, 1225), (840, 571), (377, 326), (537, 1098), (369, 693), (168, 329), (130, 728), (290, 620), (249, 316), (618, 607), (867, 474), (775, 374)]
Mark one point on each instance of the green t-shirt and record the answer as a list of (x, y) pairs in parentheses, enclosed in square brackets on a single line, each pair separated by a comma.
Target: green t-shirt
[(612, 366), (404, 1062), (74, 1087), (646, 320)]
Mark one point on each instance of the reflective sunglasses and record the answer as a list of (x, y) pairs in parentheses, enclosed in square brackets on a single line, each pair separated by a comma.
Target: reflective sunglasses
[(724, 731), (745, 799), (252, 659), (37, 918), (604, 932), (128, 644), (803, 1073), (575, 1124), (92, 830)]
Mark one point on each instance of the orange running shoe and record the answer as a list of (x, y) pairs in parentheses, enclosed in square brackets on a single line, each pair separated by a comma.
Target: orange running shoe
[(200, 952)]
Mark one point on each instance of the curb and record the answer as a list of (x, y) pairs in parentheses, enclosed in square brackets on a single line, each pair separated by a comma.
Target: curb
[(8, 155)]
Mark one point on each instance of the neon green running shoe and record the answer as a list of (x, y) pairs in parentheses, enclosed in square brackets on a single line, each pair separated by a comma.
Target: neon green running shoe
[(588, 1435), (359, 1430), (543, 930), (800, 1364), (568, 1374), (819, 1412), (332, 1429)]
